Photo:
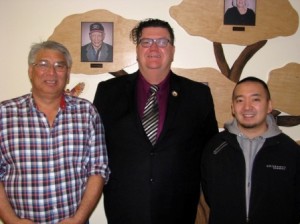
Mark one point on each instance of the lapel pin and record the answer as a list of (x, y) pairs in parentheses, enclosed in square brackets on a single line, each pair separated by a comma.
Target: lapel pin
[(174, 93)]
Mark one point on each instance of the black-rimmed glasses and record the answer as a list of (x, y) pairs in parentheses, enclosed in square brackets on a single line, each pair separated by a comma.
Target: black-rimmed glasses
[(148, 42)]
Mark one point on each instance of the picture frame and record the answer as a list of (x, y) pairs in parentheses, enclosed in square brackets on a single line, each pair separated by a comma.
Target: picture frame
[(240, 12), (97, 41)]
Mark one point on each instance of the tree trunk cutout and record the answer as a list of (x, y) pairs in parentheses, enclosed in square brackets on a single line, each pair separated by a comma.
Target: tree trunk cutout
[(234, 73)]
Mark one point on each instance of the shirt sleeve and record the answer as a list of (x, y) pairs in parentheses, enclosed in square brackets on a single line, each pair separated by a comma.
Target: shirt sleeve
[(97, 145)]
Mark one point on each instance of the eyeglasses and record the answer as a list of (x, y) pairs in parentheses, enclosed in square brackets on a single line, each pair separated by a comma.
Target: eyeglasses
[(45, 66), (148, 42)]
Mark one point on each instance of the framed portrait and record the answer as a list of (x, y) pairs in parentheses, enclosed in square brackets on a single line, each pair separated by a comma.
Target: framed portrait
[(97, 41), (240, 12)]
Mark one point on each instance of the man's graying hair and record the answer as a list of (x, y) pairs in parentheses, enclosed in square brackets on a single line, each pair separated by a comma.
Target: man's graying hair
[(52, 45), (136, 32)]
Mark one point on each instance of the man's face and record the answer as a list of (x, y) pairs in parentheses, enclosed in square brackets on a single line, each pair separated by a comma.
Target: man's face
[(241, 3), (97, 38), (49, 74), (155, 57), (250, 107)]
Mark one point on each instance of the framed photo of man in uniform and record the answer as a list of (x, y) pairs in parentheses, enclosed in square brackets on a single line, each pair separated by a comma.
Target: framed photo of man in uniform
[(97, 42)]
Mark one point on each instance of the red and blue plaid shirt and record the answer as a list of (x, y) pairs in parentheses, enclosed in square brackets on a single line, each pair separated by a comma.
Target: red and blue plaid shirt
[(44, 169)]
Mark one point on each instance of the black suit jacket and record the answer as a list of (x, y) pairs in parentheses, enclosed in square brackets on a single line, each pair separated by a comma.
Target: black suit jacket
[(157, 184)]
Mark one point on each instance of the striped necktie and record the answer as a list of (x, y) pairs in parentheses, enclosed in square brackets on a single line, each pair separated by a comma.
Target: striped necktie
[(150, 116)]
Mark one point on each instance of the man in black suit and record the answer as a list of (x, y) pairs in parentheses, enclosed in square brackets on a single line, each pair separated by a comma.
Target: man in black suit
[(154, 181)]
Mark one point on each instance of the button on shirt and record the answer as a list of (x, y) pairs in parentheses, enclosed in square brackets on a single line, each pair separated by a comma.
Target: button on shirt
[(44, 169)]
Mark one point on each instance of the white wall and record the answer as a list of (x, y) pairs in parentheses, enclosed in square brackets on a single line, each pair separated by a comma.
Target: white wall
[(24, 22)]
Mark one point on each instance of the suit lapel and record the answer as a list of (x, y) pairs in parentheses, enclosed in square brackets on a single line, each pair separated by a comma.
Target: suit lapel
[(172, 105), (132, 103)]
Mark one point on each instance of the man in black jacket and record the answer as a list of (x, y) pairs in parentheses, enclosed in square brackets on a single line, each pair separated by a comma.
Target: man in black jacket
[(251, 170), (157, 181)]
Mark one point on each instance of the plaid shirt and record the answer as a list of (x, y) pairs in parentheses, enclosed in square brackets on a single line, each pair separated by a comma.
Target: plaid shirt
[(44, 169)]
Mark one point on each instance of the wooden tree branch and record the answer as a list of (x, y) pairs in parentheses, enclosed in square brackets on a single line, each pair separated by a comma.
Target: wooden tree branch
[(285, 120), (118, 73), (242, 60), (235, 72), (221, 60)]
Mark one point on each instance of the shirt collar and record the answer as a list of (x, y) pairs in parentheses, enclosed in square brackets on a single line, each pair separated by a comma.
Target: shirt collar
[(64, 102), (146, 85)]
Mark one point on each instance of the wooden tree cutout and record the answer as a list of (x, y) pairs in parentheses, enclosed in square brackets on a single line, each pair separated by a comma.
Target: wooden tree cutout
[(234, 73)]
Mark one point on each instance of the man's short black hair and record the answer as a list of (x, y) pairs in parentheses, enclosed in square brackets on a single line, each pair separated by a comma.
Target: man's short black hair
[(254, 79)]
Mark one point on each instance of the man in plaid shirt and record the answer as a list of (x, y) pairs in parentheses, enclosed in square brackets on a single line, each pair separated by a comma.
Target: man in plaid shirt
[(53, 158)]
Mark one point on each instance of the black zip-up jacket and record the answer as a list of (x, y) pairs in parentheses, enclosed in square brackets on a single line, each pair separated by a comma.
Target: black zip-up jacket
[(275, 189)]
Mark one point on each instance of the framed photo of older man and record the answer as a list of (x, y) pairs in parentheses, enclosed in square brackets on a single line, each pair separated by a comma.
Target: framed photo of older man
[(97, 42), (240, 12)]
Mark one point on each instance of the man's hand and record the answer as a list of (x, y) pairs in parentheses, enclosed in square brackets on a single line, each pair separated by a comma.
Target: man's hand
[(23, 221), (70, 220)]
